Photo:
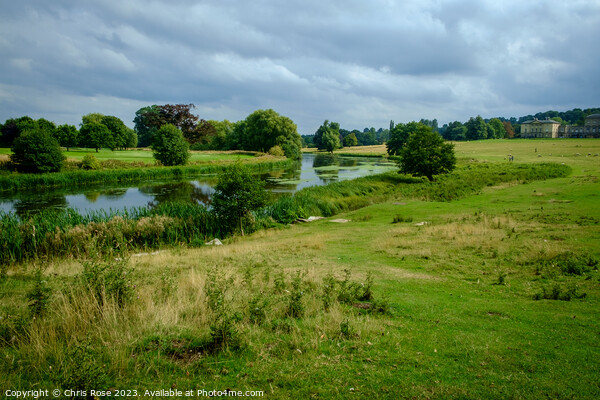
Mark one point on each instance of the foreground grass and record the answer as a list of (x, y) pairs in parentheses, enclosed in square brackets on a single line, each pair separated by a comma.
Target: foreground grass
[(455, 327), (453, 312)]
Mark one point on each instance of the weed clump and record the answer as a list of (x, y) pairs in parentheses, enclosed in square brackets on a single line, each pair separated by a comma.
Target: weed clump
[(400, 218), (557, 292), (108, 281), (39, 296), (567, 263)]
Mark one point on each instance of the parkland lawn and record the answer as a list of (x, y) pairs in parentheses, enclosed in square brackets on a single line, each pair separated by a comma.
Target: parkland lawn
[(496, 295)]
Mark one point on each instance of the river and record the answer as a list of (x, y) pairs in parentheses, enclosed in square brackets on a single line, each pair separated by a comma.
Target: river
[(314, 169)]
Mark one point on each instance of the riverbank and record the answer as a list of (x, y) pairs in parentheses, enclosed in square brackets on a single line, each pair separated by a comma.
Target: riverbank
[(62, 233), (16, 182)]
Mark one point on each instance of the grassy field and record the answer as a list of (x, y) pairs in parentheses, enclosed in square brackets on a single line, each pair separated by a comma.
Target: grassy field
[(145, 155), (495, 295)]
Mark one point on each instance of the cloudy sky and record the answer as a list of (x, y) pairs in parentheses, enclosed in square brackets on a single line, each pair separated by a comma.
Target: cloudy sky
[(357, 62)]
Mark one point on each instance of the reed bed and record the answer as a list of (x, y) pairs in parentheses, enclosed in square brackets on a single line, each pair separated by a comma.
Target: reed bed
[(15, 182)]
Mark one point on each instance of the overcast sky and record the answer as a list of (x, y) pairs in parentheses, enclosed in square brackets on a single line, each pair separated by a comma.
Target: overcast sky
[(357, 62)]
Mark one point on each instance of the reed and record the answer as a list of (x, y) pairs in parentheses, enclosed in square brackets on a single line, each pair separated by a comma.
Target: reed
[(15, 182)]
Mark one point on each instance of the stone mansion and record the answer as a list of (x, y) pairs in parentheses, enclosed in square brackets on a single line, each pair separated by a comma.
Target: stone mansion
[(551, 129)]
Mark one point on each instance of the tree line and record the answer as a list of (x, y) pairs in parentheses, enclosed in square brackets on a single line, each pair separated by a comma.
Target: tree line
[(260, 131), (476, 128)]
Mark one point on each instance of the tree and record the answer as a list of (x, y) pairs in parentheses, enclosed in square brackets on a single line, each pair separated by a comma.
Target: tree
[(350, 140), (169, 146), (67, 136), (222, 131), (426, 154), (455, 131), (496, 129), (35, 150), (237, 193), (399, 136), (264, 129), (181, 116), (13, 128), (331, 140), (510, 132), (325, 136), (132, 138), (147, 121), (476, 129), (118, 131), (92, 117), (203, 135), (95, 135)]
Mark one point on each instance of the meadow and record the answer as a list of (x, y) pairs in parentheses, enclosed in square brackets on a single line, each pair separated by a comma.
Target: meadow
[(129, 166), (408, 289), (145, 155)]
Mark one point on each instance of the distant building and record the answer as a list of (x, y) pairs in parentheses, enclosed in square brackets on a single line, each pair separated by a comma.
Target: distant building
[(551, 129)]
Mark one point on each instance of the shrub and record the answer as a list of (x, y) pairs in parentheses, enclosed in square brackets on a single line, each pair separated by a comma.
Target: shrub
[(108, 281), (237, 193), (36, 151), (276, 151), (169, 146), (39, 295), (89, 161)]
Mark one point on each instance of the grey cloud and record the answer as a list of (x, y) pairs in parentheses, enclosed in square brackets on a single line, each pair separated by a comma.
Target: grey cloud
[(350, 61)]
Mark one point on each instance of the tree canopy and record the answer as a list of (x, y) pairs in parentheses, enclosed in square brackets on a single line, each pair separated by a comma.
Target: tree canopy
[(264, 129), (399, 136), (169, 146), (237, 193), (36, 151), (426, 154)]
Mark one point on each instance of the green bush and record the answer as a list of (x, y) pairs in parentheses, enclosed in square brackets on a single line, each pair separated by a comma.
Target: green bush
[(169, 146), (276, 151), (237, 193), (89, 161), (37, 152)]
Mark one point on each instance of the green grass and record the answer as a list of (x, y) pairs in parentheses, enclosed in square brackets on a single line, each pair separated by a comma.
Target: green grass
[(145, 155), (13, 182), (459, 279)]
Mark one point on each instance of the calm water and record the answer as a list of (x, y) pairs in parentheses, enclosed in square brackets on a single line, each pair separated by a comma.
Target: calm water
[(311, 171)]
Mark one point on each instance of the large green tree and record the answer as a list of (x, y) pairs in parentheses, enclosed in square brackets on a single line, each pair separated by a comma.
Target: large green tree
[(169, 146), (350, 140), (67, 135), (455, 131), (13, 128), (118, 131), (95, 135), (426, 154), (36, 151), (476, 128), (399, 136), (324, 136), (496, 129), (331, 140), (237, 193), (264, 129), (147, 121)]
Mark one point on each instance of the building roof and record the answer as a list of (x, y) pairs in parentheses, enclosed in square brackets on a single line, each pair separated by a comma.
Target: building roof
[(593, 116), (543, 121)]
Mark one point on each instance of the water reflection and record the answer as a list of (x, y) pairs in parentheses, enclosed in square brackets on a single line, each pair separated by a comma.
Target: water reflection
[(23, 206), (313, 170), (186, 191)]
